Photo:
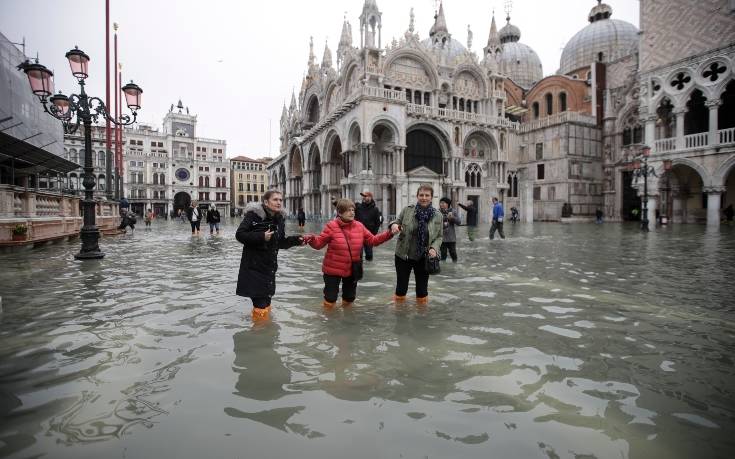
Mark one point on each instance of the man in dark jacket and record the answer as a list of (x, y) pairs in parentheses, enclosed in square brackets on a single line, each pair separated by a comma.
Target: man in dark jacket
[(370, 216), (213, 218), (471, 219)]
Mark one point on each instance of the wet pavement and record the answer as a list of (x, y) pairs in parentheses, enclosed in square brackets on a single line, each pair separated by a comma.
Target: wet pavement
[(583, 341)]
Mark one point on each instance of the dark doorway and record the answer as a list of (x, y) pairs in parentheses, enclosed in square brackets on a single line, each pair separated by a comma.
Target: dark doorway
[(631, 200), (182, 201), (422, 149)]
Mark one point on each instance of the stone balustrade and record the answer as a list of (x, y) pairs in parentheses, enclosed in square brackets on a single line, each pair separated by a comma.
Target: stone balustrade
[(693, 141), (48, 215), (458, 115)]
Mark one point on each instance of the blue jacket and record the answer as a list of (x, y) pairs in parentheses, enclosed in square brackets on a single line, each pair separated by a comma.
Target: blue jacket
[(498, 211)]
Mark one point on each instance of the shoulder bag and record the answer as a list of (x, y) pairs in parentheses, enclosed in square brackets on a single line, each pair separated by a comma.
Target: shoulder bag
[(356, 265)]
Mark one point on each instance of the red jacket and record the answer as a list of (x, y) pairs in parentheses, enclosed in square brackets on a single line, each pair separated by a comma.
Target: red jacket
[(337, 261)]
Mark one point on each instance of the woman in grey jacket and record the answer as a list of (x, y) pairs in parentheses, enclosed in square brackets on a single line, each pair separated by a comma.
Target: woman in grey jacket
[(420, 226)]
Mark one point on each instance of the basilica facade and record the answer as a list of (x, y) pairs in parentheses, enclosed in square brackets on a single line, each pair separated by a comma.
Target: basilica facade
[(387, 117)]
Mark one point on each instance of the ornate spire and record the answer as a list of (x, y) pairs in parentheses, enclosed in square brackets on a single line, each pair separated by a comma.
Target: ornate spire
[(493, 38), (412, 22), (292, 107), (327, 58), (312, 58), (370, 25), (345, 42), (440, 22)]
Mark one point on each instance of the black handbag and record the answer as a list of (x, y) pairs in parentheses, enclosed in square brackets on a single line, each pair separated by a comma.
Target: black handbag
[(431, 264), (357, 270)]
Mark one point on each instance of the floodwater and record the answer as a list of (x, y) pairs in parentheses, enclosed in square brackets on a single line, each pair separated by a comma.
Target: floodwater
[(584, 341)]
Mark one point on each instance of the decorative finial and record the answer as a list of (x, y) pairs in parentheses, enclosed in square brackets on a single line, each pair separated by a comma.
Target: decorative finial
[(508, 6), (411, 23), (114, 26), (469, 37)]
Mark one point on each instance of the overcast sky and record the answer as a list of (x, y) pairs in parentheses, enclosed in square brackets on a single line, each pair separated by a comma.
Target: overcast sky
[(234, 63)]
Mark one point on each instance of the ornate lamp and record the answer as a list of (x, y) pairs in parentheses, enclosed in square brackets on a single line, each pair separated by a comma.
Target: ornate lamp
[(40, 78), (132, 95), (79, 62)]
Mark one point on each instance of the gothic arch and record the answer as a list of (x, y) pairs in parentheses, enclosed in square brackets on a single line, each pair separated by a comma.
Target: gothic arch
[(312, 114), (354, 135), (329, 140), (418, 56), (390, 123), (476, 73), (723, 171), (295, 162)]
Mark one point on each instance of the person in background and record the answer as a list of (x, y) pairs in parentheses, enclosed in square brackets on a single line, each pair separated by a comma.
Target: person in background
[(262, 233), (149, 217), (449, 236), (344, 237), (598, 216), (420, 226), (301, 217), (213, 218), (498, 215), (370, 216), (194, 215), (471, 220)]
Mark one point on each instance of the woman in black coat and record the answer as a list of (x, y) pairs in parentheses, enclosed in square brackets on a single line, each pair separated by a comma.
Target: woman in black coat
[(262, 233)]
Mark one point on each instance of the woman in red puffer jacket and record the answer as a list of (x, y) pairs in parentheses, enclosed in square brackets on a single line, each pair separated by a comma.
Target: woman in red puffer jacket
[(344, 238)]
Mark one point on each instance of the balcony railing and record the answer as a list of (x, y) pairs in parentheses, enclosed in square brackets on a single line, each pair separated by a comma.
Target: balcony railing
[(458, 115), (662, 145), (383, 93), (698, 140), (559, 118)]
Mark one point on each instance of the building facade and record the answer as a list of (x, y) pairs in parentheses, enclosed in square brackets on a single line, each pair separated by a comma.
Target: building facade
[(390, 117), (249, 181)]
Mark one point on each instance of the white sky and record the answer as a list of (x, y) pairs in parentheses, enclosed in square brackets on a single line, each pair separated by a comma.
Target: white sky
[(234, 63)]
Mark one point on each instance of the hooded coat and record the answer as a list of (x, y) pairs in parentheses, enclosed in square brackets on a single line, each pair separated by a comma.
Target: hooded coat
[(369, 215), (259, 262), (338, 259)]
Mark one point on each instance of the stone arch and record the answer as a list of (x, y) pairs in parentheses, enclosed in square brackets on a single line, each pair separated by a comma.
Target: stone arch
[(390, 123), (416, 55), (330, 99), (475, 73), (427, 145), (723, 171), (334, 157), (295, 162), (182, 201), (484, 144), (703, 174), (350, 78), (282, 179), (312, 112), (354, 135)]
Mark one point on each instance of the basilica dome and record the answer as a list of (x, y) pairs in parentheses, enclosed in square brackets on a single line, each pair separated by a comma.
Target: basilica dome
[(611, 37), (453, 49), (518, 61)]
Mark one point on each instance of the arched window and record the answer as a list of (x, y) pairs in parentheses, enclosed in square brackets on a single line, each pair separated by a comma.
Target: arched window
[(666, 121), (140, 177), (696, 118), (535, 110), (161, 179), (473, 176), (515, 186), (155, 178), (563, 102), (224, 182), (726, 110), (101, 182), (216, 181), (206, 182), (201, 182), (549, 104)]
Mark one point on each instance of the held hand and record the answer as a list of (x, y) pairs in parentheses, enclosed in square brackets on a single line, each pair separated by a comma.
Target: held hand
[(395, 228), (268, 234), (432, 252), (307, 238)]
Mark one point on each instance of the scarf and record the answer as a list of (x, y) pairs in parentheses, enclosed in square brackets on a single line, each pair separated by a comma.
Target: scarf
[(423, 215)]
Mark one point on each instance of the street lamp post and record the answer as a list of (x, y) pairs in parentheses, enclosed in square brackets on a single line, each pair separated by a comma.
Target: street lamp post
[(644, 170), (86, 109)]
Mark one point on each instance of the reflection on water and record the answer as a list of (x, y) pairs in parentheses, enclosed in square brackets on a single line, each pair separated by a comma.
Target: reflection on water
[(560, 341)]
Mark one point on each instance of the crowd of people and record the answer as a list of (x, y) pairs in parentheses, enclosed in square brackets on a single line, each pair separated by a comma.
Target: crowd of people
[(424, 236)]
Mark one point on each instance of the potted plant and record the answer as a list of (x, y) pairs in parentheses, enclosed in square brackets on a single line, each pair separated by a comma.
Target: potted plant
[(19, 232)]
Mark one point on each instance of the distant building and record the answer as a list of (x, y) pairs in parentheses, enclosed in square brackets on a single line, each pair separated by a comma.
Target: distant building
[(249, 180), (391, 116)]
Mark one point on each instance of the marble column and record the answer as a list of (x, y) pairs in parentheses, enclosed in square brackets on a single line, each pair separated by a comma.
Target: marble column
[(680, 128), (714, 201), (650, 132), (713, 106)]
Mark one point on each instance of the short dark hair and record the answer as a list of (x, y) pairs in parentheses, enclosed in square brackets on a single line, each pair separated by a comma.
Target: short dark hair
[(425, 186), (447, 200)]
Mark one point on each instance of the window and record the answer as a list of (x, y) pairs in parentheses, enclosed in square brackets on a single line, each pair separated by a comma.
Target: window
[(248, 187), (153, 144), (549, 104), (537, 193), (552, 193), (262, 187), (201, 181), (563, 102), (160, 144), (539, 151), (161, 179), (540, 172), (224, 182), (535, 110), (240, 187), (206, 182)]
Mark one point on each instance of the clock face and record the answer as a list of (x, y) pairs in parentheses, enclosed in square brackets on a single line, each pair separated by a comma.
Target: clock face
[(182, 174)]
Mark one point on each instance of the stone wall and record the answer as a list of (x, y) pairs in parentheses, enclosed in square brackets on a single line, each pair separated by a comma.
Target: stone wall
[(676, 29)]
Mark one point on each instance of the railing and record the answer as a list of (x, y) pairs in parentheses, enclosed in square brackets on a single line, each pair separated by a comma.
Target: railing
[(726, 135), (696, 140), (559, 118), (372, 68), (498, 94), (459, 115), (662, 145), (390, 94)]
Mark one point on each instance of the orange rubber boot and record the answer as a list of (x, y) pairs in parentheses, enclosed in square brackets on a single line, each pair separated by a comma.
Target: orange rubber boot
[(422, 300), (261, 314), (328, 304), (399, 298), (347, 304)]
